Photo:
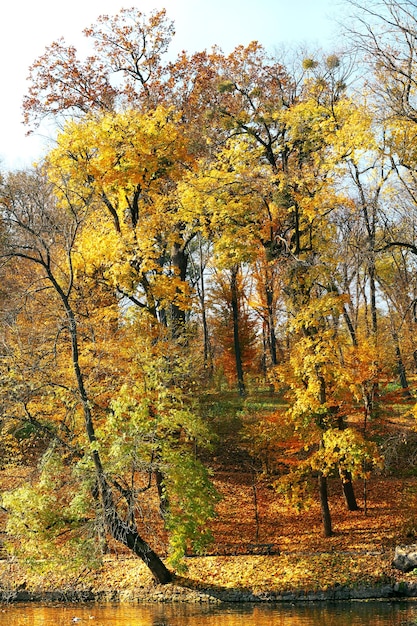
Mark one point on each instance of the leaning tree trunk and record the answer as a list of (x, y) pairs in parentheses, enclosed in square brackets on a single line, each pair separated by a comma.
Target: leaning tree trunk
[(119, 529), (348, 491), (125, 533)]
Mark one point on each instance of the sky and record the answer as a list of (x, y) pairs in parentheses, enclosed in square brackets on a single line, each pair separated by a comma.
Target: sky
[(27, 27)]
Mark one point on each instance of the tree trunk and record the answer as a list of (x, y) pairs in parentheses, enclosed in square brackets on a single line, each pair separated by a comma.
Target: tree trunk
[(372, 289), (348, 491), (272, 340), (163, 500), (125, 533), (346, 476), (236, 341), (132, 540), (179, 259), (368, 404), (401, 367), (324, 504), (207, 357)]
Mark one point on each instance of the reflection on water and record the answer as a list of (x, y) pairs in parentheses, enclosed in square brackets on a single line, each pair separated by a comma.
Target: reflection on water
[(341, 614)]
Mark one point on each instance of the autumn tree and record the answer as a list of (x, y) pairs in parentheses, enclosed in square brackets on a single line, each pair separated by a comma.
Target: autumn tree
[(396, 283), (131, 48), (128, 49), (385, 34), (96, 381), (322, 399)]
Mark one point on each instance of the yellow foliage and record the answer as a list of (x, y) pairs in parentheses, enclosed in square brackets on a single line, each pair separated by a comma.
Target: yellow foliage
[(118, 172), (346, 450)]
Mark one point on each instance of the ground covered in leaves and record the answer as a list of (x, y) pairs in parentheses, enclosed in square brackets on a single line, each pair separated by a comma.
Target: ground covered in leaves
[(260, 543), (278, 550)]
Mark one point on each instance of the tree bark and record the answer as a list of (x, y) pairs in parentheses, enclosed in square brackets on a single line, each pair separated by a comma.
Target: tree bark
[(163, 499), (324, 504), (207, 364), (348, 491), (346, 478), (179, 259), (236, 341), (271, 326), (401, 367)]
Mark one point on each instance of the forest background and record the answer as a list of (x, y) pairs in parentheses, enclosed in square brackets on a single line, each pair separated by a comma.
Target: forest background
[(219, 249)]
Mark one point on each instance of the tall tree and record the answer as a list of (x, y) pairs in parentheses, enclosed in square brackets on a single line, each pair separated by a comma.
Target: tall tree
[(79, 308), (321, 398)]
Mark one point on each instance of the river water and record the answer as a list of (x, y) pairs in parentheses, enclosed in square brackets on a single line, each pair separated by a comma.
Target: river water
[(337, 614)]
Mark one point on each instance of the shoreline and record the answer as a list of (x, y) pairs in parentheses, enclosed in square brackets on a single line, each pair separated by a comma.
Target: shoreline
[(173, 593), (282, 579)]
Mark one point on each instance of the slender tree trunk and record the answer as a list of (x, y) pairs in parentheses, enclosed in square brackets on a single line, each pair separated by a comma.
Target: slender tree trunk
[(264, 348), (236, 340), (163, 500), (350, 326), (322, 480), (206, 337), (365, 494), (271, 322), (374, 312), (372, 289), (346, 477), (324, 504), (401, 367), (368, 404), (255, 504)]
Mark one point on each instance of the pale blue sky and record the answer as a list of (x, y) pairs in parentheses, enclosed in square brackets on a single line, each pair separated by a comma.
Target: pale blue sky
[(27, 26)]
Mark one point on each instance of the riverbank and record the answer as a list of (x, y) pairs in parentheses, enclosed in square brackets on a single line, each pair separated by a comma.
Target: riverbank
[(263, 551), (176, 594), (293, 577)]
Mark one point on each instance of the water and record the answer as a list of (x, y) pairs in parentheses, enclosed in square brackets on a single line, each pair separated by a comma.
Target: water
[(341, 614)]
